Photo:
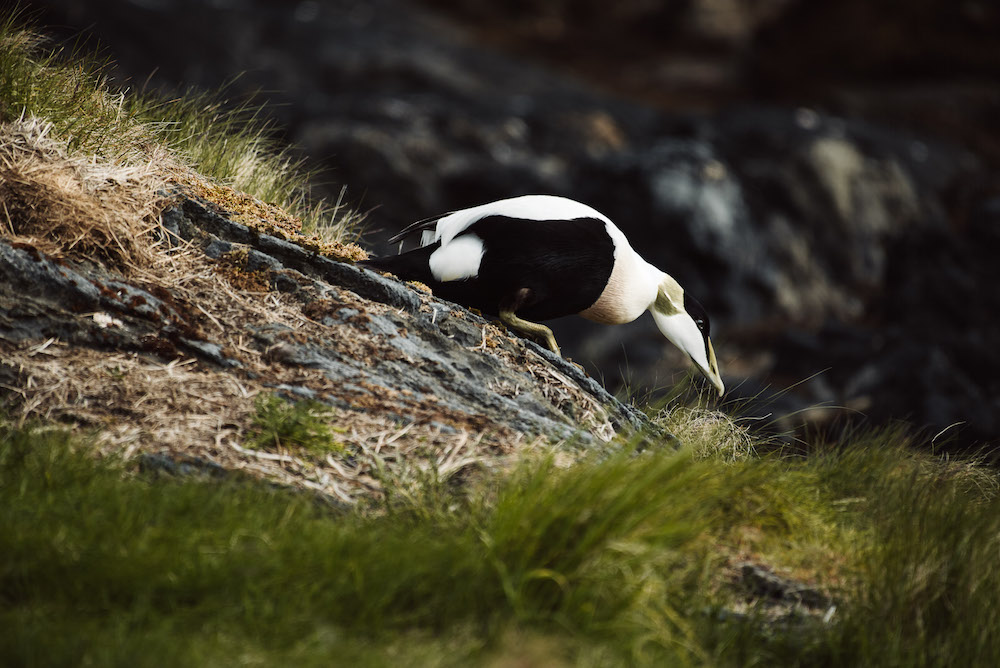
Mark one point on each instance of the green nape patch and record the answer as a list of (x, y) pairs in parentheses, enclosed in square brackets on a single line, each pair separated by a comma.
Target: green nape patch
[(626, 559)]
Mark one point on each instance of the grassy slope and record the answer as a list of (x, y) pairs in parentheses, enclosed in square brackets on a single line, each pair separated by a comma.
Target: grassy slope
[(625, 559), (614, 561), (230, 144)]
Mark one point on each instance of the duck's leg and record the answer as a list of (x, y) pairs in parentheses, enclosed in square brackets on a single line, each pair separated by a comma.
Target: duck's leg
[(508, 317)]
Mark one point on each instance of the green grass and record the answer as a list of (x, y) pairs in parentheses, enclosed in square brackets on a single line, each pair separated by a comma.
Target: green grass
[(620, 561), (305, 424), (230, 142)]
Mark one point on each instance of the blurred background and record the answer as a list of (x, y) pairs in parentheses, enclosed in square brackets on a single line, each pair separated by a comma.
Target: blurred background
[(821, 174)]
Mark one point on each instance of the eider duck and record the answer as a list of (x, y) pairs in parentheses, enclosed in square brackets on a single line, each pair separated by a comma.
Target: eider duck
[(538, 257)]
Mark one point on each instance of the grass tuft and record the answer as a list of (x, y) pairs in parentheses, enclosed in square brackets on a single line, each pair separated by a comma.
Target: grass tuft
[(227, 141), (708, 433), (304, 425), (67, 205)]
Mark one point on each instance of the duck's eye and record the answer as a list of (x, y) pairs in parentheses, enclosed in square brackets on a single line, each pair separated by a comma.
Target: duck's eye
[(697, 313)]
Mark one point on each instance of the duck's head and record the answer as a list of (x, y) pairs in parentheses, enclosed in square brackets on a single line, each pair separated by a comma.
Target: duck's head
[(685, 323)]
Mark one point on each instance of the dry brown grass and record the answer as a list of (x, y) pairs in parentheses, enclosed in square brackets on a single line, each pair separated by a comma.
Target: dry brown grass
[(186, 408), (69, 206), (271, 219), (104, 211), (709, 433)]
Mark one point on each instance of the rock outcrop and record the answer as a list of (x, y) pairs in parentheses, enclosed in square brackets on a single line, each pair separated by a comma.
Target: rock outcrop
[(163, 329), (845, 262)]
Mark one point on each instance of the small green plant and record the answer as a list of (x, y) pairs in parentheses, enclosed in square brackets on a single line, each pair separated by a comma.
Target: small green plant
[(304, 425)]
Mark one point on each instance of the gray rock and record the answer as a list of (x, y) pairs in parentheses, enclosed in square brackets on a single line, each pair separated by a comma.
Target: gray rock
[(281, 253), (386, 347)]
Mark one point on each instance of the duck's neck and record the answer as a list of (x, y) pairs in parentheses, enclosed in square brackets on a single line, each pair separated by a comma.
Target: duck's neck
[(631, 289)]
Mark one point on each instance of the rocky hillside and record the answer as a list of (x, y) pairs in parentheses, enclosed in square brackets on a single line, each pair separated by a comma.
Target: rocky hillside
[(135, 303), (836, 215)]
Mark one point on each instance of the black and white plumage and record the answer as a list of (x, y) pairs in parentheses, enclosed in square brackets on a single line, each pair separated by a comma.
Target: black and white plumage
[(538, 257)]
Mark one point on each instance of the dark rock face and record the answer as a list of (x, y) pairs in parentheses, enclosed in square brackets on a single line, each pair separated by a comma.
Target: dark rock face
[(423, 349), (819, 244), (418, 358)]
